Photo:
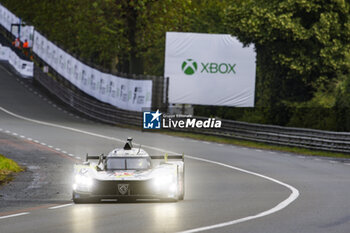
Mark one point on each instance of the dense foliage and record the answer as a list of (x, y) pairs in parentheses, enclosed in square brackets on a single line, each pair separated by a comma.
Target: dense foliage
[(303, 47), (303, 58), (125, 35)]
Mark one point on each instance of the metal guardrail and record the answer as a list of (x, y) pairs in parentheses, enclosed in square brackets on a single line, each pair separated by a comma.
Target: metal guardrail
[(278, 135), (285, 136)]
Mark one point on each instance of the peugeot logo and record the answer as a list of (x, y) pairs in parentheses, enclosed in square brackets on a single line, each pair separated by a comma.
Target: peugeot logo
[(123, 188)]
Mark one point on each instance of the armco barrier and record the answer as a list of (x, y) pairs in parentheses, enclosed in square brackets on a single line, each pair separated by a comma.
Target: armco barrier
[(286, 136)]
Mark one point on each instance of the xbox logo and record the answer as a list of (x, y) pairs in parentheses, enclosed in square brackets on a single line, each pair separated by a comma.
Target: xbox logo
[(189, 67)]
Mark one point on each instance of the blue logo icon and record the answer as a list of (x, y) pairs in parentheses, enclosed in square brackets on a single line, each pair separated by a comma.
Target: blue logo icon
[(152, 120)]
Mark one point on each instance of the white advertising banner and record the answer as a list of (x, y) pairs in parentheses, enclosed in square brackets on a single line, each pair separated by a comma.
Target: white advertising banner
[(7, 18), (103, 94), (69, 70), (77, 73), (61, 68), (4, 53), (85, 72), (209, 69), (121, 92), (25, 68)]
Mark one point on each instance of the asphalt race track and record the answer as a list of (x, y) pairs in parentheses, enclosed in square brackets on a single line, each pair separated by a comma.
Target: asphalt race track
[(228, 188)]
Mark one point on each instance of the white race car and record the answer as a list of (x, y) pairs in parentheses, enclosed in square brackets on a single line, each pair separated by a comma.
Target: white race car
[(128, 174)]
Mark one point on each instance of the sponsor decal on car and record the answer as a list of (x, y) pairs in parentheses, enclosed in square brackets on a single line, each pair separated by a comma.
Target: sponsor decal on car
[(123, 174)]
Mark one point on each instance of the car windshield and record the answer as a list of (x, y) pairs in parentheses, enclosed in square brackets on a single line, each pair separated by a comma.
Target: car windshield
[(128, 164)]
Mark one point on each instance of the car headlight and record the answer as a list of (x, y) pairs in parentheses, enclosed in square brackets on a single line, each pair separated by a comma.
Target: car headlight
[(82, 181), (166, 184), (163, 180)]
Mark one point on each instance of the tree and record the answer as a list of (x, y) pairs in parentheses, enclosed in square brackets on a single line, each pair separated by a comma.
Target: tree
[(147, 23), (303, 50), (126, 35)]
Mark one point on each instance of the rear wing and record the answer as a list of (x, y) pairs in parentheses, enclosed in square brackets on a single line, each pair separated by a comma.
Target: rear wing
[(167, 157), (97, 157)]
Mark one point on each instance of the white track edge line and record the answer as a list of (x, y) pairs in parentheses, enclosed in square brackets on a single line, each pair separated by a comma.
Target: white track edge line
[(14, 215), (292, 197), (60, 206)]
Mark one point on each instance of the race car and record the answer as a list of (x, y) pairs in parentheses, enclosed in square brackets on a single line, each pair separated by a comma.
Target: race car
[(129, 173)]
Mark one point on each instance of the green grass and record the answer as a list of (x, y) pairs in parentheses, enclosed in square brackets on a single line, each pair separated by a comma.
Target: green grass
[(7, 167), (258, 145)]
